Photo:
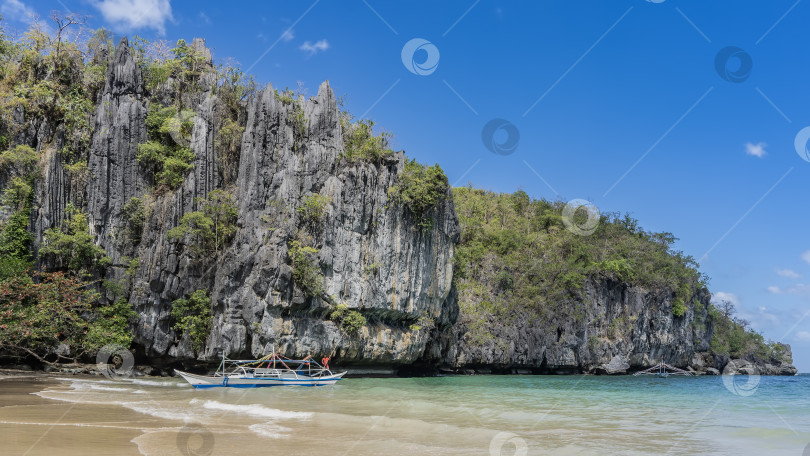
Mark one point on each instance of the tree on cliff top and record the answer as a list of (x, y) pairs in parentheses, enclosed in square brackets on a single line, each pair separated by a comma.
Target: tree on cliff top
[(420, 188), (733, 336)]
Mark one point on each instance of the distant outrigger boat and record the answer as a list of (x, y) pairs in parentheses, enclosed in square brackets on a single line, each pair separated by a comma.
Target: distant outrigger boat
[(272, 370), (663, 369)]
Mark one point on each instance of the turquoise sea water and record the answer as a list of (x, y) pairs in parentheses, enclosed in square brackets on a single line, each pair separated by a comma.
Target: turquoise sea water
[(486, 415)]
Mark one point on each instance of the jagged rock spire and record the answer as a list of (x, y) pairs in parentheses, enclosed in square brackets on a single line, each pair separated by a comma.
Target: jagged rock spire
[(124, 75)]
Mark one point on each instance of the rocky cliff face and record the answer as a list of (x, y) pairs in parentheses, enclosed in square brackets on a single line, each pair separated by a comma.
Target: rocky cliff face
[(373, 254), (257, 307), (621, 329)]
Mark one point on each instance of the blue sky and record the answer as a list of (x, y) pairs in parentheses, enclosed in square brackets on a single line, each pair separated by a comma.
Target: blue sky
[(617, 102)]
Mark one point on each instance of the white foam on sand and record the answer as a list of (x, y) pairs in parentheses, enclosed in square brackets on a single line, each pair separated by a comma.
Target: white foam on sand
[(84, 386), (86, 380), (161, 411), (137, 381), (253, 410), (82, 392), (270, 430)]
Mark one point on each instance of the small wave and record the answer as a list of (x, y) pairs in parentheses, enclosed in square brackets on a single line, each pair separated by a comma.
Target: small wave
[(136, 381), (85, 380), (84, 386), (270, 430), (87, 425), (159, 411), (254, 409)]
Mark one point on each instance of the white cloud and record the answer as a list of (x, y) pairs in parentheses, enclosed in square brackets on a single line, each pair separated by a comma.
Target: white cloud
[(319, 46), (767, 316), (724, 296), (757, 150), (288, 35), (204, 18), (806, 256), (798, 289), (803, 336), (18, 11), (126, 15), (789, 273)]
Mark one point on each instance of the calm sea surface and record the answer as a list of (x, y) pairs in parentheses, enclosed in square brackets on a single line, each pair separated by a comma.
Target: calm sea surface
[(478, 415)]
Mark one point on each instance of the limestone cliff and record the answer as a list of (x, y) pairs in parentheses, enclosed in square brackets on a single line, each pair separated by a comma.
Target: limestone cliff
[(623, 329), (375, 254), (257, 307)]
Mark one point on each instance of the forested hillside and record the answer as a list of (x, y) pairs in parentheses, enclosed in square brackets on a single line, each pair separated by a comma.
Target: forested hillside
[(545, 289)]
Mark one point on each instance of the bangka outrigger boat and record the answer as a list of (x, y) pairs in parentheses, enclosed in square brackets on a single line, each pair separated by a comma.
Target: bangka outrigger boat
[(663, 369), (272, 370)]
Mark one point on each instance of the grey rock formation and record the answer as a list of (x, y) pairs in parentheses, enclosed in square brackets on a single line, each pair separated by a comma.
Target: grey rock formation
[(119, 128), (758, 367), (623, 329), (620, 325), (257, 307), (617, 365)]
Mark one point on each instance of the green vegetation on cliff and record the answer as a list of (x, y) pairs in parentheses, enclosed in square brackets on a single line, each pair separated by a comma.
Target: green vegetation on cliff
[(360, 143), (305, 269), (166, 154), (22, 163), (516, 253), (349, 321), (71, 247), (733, 336), (516, 258), (192, 316), (313, 211), (207, 230), (420, 188)]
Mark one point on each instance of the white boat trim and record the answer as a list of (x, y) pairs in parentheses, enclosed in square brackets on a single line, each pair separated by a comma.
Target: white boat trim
[(248, 374)]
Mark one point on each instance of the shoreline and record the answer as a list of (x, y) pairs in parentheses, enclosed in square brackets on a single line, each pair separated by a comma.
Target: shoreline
[(92, 371)]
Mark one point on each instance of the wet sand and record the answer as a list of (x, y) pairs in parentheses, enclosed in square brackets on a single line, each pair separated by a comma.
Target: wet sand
[(36, 426)]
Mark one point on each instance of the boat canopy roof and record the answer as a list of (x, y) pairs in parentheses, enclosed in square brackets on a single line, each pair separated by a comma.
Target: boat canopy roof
[(274, 359), (663, 368)]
